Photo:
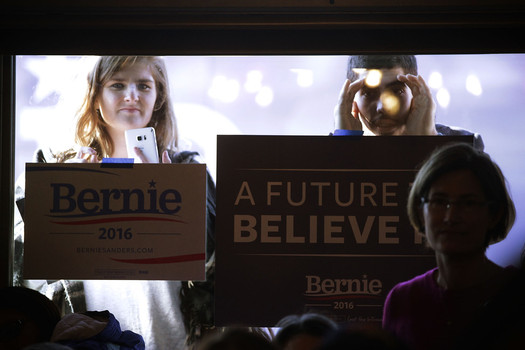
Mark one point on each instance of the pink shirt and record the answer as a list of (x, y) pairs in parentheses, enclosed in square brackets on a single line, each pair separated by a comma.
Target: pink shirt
[(426, 316)]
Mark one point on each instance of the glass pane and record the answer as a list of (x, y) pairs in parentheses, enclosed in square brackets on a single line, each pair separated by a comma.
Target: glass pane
[(265, 95)]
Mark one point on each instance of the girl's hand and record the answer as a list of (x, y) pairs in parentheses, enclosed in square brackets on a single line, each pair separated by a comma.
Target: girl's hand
[(84, 155), (165, 156)]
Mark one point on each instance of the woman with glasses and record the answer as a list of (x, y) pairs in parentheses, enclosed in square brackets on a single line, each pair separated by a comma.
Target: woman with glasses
[(460, 202)]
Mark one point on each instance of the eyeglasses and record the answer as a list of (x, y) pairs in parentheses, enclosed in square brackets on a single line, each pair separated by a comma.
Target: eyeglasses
[(440, 205)]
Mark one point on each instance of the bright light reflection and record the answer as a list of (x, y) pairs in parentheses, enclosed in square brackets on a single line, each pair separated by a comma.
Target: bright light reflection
[(305, 77), (443, 97), (224, 89), (359, 71), (48, 80), (373, 78), (264, 97), (54, 99), (390, 102), (435, 81), (58, 74), (190, 119), (253, 81), (473, 85)]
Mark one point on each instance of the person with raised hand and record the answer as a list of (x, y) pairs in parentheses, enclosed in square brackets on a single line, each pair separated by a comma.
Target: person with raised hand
[(385, 95)]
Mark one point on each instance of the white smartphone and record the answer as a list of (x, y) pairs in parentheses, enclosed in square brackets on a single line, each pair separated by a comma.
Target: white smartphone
[(145, 140)]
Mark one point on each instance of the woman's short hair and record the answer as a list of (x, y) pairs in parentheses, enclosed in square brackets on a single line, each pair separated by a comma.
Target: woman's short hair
[(237, 338), (313, 324), (91, 130), (462, 156)]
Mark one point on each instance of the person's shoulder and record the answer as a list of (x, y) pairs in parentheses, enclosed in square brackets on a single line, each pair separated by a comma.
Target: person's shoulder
[(417, 283), (49, 155), (44, 155), (184, 157), (453, 130), (448, 130)]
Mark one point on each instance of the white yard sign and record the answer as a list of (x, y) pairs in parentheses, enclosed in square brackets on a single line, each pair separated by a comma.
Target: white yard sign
[(108, 221)]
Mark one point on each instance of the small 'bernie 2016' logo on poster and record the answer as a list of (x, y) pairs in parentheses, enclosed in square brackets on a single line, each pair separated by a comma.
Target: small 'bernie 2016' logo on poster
[(346, 288)]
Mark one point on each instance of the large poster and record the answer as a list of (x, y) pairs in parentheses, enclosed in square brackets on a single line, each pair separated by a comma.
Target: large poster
[(315, 224), (115, 221)]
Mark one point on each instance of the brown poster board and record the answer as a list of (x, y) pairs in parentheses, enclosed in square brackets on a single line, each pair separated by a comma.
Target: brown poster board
[(315, 224)]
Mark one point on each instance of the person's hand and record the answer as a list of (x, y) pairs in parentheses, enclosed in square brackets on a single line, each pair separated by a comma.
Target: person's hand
[(84, 155), (421, 118), (165, 156), (343, 116)]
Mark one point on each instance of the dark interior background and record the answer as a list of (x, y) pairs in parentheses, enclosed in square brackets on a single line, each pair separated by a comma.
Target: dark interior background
[(328, 27)]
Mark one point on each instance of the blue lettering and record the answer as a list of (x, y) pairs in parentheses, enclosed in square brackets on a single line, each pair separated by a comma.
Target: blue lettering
[(58, 198), (88, 196), (106, 196), (127, 200), (106, 201), (169, 196), (152, 199)]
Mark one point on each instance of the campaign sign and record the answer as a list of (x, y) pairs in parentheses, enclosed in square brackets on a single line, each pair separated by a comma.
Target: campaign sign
[(115, 221), (315, 224)]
